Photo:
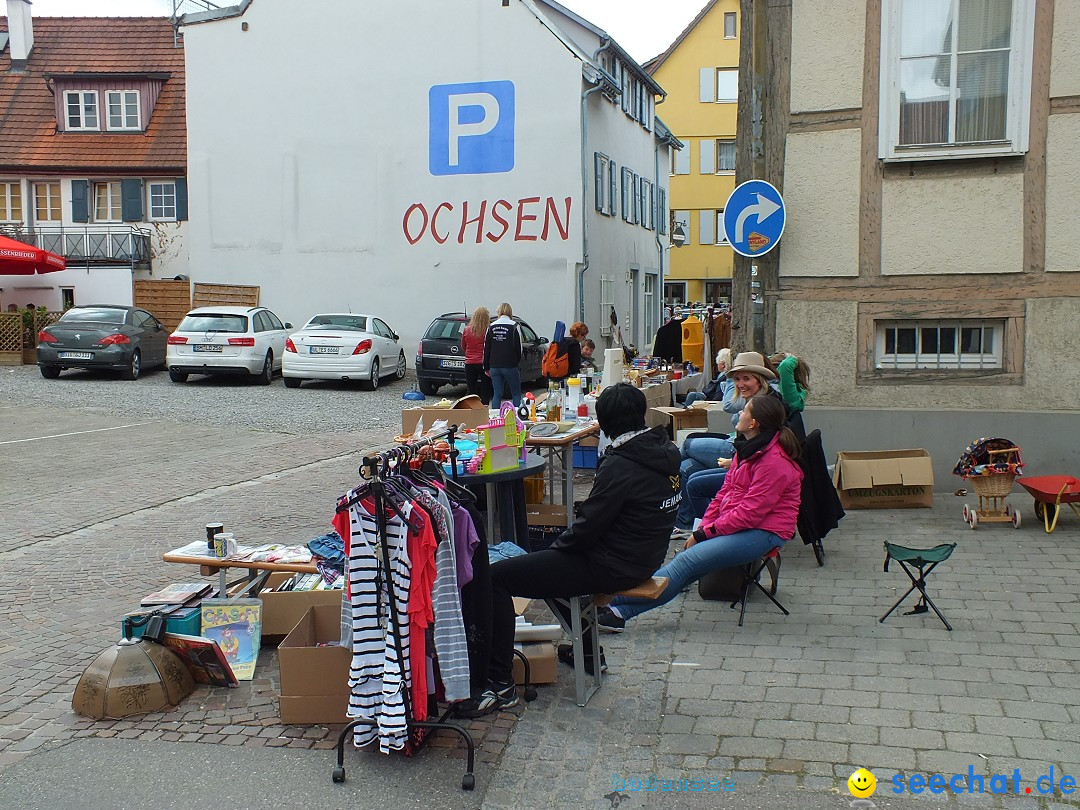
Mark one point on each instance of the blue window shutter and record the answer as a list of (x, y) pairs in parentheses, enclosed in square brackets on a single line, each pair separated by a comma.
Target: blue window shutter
[(181, 198), (80, 208), (131, 200)]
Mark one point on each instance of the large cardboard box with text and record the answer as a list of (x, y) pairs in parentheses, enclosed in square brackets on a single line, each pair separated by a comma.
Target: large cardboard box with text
[(281, 611), (884, 479), (314, 679)]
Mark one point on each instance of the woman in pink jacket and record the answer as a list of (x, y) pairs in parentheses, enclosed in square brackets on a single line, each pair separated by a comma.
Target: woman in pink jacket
[(754, 512)]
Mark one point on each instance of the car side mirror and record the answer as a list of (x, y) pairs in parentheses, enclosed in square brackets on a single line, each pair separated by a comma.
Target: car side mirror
[(394, 335), (543, 340), (288, 325)]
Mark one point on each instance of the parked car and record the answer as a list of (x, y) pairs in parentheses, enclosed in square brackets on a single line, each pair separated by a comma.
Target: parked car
[(228, 340), (343, 346), (104, 337), (440, 359)]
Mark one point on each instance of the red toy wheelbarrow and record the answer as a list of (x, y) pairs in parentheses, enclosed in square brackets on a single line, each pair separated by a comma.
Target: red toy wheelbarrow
[(1052, 490)]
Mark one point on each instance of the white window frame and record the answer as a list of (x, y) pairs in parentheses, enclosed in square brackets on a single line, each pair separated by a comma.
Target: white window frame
[(726, 142), (111, 214), (648, 297), (735, 97), (721, 234), (6, 188), (733, 18), (53, 203), (1022, 38), (991, 360), (601, 169), (162, 215), (125, 124), (83, 96)]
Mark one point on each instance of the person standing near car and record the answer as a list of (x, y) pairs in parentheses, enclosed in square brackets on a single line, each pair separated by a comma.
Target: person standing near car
[(502, 354), (473, 337)]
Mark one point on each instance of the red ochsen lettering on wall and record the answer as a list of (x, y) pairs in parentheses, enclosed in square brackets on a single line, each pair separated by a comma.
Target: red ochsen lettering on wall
[(417, 223)]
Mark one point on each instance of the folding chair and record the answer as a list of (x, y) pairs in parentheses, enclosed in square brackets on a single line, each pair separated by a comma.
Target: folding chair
[(920, 558), (753, 570)]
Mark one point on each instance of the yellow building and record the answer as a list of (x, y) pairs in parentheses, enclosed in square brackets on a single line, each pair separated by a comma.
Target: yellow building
[(700, 72)]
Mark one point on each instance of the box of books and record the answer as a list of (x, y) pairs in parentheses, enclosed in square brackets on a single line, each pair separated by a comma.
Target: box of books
[(315, 669), (287, 597)]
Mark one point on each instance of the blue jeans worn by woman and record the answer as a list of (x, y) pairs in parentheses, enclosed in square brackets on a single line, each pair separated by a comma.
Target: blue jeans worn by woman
[(700, 559), (698, 454), (701, 488), (511, 379)]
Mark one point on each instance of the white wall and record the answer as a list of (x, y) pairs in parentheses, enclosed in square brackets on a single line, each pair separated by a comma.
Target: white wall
[(302, 170), (110, 285)]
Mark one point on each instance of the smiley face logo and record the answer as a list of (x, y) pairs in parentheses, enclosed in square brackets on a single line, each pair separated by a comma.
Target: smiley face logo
[(862, 784)]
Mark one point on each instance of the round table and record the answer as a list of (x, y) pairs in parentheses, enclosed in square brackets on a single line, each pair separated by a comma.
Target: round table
[(508, 488)]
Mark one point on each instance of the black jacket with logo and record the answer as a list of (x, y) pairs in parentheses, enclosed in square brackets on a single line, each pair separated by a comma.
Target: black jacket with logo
[(625, 523), (502, 346)]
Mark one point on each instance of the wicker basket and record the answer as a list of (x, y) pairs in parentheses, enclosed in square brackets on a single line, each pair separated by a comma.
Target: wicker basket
[(996, 485)]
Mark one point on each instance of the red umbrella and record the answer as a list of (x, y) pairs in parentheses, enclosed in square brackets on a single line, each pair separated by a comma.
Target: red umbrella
[(20, 259)]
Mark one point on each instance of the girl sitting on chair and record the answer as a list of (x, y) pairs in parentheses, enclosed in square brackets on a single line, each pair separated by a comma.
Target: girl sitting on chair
[(754, 512)]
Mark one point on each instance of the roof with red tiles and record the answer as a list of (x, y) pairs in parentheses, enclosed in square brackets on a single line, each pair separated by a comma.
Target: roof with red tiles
[(92, 45)]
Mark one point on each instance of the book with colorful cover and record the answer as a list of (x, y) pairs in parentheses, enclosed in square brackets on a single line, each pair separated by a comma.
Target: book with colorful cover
[(178, 593), (203, 658), (236, 625)]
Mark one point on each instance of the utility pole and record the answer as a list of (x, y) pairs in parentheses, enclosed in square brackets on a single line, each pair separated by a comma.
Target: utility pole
[(761, 131)]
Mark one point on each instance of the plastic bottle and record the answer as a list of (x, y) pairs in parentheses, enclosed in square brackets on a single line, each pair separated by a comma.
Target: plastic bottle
[(573, 394)]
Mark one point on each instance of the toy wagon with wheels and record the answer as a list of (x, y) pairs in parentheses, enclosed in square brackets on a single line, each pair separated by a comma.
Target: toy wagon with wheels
[(991, 467), (1050, 492)]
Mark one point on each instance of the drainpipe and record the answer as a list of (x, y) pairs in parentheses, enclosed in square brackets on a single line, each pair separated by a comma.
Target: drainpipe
[(604, 45), (656, 184)]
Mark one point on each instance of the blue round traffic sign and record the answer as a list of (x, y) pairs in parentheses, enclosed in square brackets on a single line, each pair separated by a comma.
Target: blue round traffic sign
[(754, 218)]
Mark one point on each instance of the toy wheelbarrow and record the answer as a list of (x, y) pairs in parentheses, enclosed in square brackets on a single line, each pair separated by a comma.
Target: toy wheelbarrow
[(1052, 491)]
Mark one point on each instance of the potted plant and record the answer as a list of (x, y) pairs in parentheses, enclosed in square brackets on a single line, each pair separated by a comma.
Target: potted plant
[(31, 316)]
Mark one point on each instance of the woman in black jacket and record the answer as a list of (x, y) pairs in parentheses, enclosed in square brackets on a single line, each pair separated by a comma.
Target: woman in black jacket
[(619, 537), (502, 354)]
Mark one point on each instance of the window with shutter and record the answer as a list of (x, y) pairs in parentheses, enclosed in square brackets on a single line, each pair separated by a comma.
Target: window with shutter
[(706, 158), (725, 156), (163, 201), (707, 227), (682, 158), (707, 88), (727, 85)]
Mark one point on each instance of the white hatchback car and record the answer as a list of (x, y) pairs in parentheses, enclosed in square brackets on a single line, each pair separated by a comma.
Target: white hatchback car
[(227, 340), (343, 346)]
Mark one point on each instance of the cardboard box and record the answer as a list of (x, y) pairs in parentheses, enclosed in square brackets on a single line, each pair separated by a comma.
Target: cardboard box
[(281, 611), (884, 479), (469, 417), (546, 514), (656, 396), (680, 418), (542, 663), (314, 679)]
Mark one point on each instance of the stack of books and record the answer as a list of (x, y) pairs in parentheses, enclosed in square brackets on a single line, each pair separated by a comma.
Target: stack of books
[(179, 593), (308, 582)]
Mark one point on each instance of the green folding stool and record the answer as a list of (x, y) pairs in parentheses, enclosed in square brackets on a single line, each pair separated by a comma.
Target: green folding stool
[(925, 560)]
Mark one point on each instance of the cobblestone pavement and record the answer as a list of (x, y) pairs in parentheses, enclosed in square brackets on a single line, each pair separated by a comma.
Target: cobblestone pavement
[(793, 702)]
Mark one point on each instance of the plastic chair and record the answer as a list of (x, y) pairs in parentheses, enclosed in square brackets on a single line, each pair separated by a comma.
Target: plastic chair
[(925, 560)]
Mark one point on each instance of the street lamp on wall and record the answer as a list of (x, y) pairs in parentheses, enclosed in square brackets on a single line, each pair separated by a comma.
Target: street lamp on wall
[(678, 235)]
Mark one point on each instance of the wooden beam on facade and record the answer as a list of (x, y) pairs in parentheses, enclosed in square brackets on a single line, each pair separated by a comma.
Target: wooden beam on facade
[(1035, 160), (825, 120), (870, 171)]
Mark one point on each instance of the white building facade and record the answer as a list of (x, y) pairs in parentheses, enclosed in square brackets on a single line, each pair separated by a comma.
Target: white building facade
[(413, 160)]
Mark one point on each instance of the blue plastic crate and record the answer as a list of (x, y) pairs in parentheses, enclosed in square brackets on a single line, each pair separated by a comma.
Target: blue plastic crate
[(585, 457), (186, 621)]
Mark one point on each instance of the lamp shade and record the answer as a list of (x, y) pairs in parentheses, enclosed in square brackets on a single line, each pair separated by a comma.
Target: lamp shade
[(131, 677)]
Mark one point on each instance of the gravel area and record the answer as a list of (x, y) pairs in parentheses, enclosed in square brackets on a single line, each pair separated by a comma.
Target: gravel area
[(315, 407)]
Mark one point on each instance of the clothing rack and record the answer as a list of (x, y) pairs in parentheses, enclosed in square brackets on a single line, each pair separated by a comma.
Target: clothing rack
[(375, 468)]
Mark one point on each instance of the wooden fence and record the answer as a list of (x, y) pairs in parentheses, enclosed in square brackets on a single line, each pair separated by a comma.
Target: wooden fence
[(234, 295), (167, 299)]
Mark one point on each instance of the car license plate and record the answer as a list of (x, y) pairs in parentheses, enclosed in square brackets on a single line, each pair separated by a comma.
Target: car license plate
[(75, 355), (205, 347), (452, 364), (322, 349)]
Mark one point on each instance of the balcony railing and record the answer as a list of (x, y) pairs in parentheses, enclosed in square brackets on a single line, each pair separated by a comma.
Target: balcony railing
[(92, 245)]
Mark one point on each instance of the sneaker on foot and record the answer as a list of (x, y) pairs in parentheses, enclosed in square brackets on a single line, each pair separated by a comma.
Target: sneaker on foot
[(497, 696), (609, 621), (566, 655)]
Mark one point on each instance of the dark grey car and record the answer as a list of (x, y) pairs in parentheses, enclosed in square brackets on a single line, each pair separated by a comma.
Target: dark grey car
[(102, 337), (440, 359)]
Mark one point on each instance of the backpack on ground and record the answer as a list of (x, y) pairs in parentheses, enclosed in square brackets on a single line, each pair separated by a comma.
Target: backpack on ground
[(556, 362)]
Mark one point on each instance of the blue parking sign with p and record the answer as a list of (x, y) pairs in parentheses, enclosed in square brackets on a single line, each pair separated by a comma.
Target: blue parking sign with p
[(471, 128)]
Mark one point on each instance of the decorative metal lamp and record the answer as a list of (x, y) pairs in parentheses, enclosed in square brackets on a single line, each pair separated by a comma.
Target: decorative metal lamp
[(134, 676)]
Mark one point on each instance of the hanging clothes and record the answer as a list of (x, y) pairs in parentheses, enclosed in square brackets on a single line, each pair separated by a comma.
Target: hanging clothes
[(668, 342)]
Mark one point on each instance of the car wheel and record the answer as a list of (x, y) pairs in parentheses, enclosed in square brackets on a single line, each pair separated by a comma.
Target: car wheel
[(266, 376), (292, 382), (429, 388), (134, 367), (373, 383), (399, 372), (177, 376), (50, 372)]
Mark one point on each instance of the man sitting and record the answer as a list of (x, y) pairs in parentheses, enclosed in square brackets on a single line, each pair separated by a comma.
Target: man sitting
[(618, 539)]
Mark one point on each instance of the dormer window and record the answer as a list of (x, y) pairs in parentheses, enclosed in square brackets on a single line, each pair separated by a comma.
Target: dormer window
[(123, 106), (81, 110)]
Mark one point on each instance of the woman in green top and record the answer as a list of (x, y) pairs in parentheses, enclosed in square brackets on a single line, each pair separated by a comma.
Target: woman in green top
[(794, 377)]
